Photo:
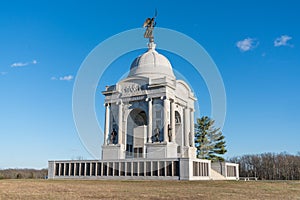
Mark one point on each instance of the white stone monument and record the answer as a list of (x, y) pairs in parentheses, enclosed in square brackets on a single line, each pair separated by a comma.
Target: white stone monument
[(149, 128)]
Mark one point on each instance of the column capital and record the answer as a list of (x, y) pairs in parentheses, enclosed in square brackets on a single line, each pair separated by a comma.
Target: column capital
[(120, 102), (163, 98), (148, 99)]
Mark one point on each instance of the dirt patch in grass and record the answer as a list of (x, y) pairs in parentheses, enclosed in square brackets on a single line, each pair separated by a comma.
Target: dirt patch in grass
[(99, 189)]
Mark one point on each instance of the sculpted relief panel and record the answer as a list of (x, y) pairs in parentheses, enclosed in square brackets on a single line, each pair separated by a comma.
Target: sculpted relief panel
[(132, 89)]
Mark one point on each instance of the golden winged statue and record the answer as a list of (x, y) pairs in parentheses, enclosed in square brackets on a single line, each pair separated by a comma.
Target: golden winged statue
[(149, 24)]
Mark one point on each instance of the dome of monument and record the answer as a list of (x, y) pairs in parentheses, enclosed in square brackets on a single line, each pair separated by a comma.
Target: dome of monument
[(151, 64)]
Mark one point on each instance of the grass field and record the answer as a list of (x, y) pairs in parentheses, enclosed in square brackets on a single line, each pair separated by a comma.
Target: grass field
[(81, 189)]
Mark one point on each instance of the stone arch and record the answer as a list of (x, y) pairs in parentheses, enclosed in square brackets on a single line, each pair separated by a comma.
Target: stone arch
[(136, 118), (177, 118)]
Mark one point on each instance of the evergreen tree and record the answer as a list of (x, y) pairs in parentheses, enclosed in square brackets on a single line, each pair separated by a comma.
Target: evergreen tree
[(209, 140)]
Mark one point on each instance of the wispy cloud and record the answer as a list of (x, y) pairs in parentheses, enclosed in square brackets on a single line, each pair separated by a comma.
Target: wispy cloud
[(247, 44), (3, 73), (23, 64), (63, 78), (19, 64), (282, 41), (66, 78)]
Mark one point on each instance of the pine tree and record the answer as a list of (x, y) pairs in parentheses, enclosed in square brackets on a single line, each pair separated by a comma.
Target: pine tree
[(209, 141)]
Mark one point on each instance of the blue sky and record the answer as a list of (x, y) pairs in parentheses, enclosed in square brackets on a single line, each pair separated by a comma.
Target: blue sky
[(255, 45)]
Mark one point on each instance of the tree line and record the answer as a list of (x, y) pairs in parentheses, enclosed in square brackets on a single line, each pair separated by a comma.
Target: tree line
[(23, 173), (269, 166)]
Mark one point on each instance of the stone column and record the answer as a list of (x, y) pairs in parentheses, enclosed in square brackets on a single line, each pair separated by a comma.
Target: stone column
[(173, 121), (74, 169), (59, 168), (70, 165), (80, 168), (192, 135), (106, 126), (85, 166), (65, 168), (149, 120), (120, 131), (186, 126), (166, 121), (96, 168)]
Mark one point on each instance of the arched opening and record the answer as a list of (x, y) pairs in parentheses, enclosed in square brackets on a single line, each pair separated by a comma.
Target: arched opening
[(138, 117), (136, 133), (178, 131)]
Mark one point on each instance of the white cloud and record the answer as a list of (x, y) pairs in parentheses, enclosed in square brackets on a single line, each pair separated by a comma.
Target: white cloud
[(19, 64), (247, 44), (23, 64), (66, 78), (62, 78), (282, 41)]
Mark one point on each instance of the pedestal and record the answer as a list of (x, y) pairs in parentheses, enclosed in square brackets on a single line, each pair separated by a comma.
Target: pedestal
[(113, 152), (189, 152), (161, 150)]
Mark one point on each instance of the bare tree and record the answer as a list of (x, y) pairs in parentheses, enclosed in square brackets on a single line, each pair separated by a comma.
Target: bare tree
[(269, 166)]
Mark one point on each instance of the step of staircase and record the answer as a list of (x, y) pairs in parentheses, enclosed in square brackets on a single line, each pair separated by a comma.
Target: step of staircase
[(216, 176)]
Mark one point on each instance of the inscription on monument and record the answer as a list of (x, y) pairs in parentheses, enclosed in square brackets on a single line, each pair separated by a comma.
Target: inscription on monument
[(132, 90)]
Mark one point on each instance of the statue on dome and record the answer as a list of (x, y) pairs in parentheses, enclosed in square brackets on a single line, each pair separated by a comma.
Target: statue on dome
[(150, 24)]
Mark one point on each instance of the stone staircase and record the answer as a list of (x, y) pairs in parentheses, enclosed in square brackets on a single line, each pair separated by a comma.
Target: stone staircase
[(214, 175)]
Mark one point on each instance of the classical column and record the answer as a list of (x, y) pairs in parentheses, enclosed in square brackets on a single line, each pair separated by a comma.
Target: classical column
[(120, 132), (106, 127), (149, 120), (96, 168), (173, 121), (80, 168), (186, 126), (85, 166), (70, 165), (166, 121), (192, 135), (59, 168)]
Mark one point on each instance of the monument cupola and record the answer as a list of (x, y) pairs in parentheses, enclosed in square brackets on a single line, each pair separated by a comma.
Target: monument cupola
[(151, 64)]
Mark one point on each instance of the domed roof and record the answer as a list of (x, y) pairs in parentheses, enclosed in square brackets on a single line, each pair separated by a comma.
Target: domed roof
[(151, 64)]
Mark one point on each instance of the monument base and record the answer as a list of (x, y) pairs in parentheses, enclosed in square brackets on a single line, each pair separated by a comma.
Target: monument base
[(113, 151), (189, 152), (161, 150)]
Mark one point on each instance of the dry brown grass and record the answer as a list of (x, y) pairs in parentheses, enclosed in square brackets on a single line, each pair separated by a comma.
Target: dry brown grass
[(84, 189)]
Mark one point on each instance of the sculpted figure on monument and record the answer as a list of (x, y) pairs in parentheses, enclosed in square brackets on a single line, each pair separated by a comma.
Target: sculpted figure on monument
[(150, 24), (113, 136), (156, 134), (169, 132), (191, 138)]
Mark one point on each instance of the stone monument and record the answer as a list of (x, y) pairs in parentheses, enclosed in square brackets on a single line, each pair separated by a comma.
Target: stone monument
[(149, 127)]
